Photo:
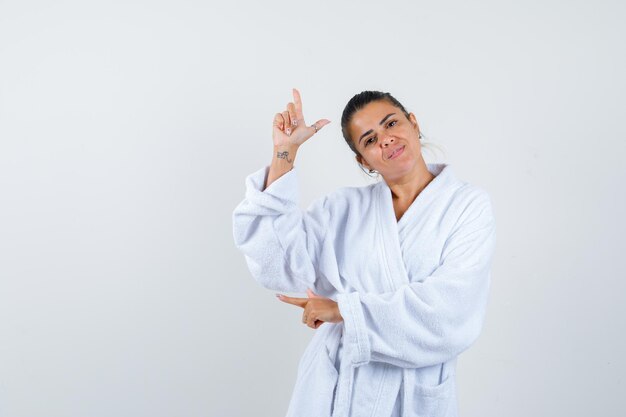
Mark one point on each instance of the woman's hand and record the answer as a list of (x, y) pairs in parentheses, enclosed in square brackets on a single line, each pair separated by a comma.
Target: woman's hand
[(317, 309), (289, 128)]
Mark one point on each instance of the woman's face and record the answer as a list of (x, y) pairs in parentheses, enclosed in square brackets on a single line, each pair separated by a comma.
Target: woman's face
[(387, 141)]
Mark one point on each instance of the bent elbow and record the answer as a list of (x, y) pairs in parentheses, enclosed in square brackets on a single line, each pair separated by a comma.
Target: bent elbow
[(462, 338)]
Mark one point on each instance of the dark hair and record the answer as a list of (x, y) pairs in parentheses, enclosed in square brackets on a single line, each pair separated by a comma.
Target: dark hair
[(359, 101)]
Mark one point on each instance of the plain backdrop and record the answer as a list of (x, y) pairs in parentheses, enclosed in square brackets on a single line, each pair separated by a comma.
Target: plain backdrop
[(127, 129)]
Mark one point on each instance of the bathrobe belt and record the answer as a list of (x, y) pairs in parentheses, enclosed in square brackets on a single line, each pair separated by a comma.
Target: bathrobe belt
[(343, 394)]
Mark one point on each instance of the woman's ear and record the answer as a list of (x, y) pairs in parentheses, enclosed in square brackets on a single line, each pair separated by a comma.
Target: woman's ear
[(360, 160), (413, 121)]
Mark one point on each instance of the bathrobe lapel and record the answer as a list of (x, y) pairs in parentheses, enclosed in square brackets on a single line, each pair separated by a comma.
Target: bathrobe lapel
[(393, 232), (390, 250), (395, 271), (390, 233)]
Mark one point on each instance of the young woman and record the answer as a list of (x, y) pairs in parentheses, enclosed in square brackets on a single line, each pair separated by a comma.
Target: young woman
[(397, 273)]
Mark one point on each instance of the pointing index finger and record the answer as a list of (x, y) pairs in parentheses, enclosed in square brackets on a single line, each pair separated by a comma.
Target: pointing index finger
[(298, 102), (300, 302)]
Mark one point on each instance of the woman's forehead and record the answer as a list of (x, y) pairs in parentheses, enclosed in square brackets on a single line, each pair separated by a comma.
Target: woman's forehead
[(371, 115)]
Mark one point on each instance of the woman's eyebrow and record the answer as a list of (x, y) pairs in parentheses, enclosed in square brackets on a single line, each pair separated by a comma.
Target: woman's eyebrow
[(380, 123)]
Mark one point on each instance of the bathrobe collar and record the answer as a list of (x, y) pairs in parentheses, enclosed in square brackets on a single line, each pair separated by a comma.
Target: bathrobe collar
[(443, 178), (392, 230)]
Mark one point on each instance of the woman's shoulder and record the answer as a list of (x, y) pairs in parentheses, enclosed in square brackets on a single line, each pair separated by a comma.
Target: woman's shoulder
[(471, 201), (469, 192), (353, 195), (460, 198), (457, 189), (346, 199)]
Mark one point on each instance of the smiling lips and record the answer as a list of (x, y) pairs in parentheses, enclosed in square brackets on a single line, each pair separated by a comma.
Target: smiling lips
[(396, 152)]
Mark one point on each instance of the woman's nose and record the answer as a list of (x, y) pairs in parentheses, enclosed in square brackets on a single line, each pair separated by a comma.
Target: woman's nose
[(388, 140)]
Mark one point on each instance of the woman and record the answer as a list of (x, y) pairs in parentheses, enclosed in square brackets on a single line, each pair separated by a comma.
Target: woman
[(397, 273)]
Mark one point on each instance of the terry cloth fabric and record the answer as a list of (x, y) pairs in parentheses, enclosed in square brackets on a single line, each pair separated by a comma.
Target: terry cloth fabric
[(412, 293)]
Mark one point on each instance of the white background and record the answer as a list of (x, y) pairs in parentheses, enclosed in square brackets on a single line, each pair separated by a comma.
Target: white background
[(127, 129)]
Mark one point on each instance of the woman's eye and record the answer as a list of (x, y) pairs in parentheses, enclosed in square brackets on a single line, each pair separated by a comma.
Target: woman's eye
[(370, 140), (392, 123)]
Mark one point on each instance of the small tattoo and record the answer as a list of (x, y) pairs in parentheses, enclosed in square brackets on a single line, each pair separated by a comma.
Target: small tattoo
[(283, 155)]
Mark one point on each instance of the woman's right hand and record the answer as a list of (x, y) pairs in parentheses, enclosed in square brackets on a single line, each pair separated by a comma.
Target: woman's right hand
[(289, 127)]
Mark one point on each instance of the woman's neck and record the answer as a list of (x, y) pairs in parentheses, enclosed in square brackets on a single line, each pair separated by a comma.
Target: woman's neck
[(406, 189)]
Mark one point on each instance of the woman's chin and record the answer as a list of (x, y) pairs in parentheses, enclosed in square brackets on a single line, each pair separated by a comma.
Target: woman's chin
[(399, 171)]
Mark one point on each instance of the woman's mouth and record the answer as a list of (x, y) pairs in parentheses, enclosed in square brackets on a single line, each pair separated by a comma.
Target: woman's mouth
[(397, 152)]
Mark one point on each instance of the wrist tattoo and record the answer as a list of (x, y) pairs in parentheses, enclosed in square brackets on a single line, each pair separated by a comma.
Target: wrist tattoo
[(284, 155)]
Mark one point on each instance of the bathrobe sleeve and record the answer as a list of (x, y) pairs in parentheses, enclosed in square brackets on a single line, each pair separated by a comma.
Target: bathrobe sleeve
[(280, 241), (432, 321)]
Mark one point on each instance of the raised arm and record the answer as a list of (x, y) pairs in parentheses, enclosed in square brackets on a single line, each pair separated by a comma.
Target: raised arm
[(280, 241)]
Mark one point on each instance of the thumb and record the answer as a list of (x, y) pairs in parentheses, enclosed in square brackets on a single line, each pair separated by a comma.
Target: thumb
[(311, 294), (320, 124)]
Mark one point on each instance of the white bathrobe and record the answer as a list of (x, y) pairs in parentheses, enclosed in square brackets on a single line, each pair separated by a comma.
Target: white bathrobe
[(412, 293)]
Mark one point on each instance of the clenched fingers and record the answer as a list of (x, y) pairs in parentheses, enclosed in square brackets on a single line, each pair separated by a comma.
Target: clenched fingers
[(310, 319), (279, 122)]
